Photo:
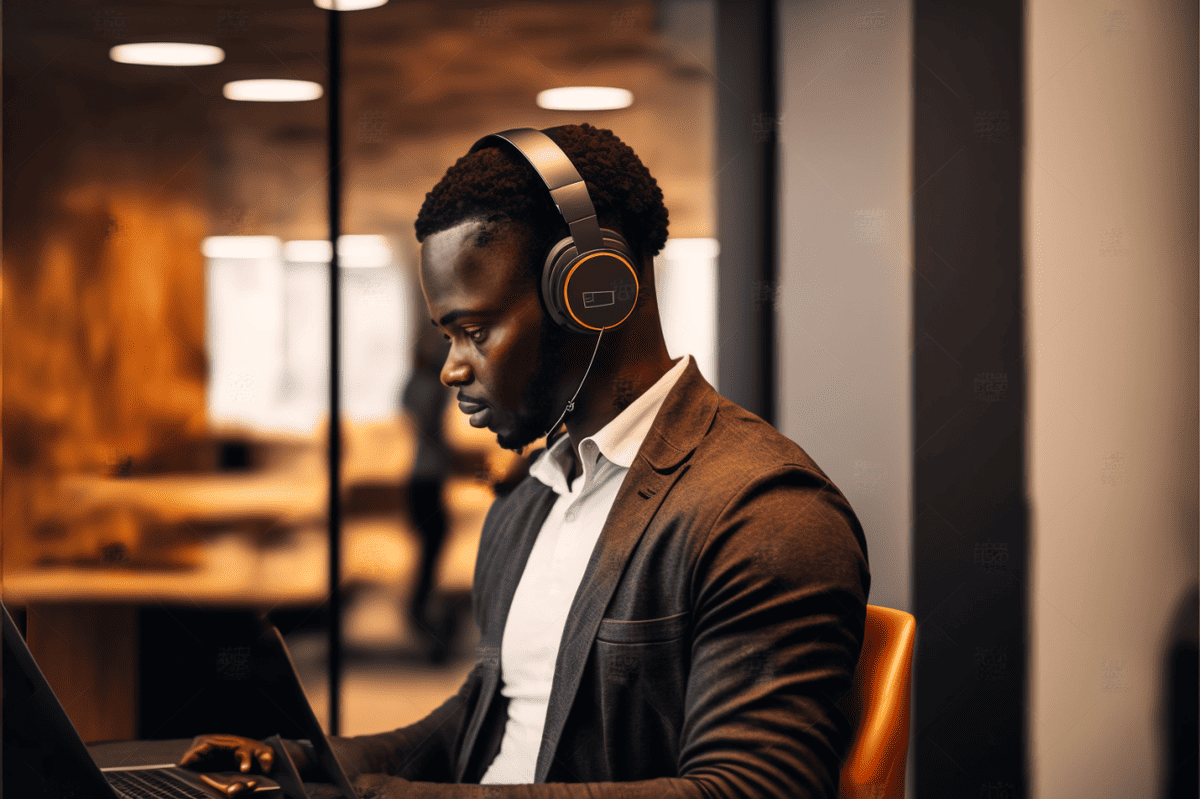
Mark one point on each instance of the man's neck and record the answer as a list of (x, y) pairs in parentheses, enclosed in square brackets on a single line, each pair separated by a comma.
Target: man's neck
[(606, 403), (629, 361)]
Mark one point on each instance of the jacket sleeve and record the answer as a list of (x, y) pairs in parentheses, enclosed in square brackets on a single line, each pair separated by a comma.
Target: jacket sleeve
[(779, 591), (424, 750), (427, 750)]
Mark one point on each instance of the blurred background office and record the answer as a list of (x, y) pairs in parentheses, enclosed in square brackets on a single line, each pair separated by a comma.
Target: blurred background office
[(948, 248)]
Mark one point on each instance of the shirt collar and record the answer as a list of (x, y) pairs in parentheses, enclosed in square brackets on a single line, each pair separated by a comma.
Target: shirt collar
[(618, 441)]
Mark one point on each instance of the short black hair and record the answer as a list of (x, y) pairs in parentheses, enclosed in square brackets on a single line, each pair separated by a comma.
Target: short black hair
[(495, 184)]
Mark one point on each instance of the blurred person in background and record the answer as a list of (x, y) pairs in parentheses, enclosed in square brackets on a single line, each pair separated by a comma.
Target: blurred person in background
[(425, 399)]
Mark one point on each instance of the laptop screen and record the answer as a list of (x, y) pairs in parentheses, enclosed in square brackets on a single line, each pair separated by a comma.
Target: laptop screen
[(43, 754), (198, 673), (279, 680)]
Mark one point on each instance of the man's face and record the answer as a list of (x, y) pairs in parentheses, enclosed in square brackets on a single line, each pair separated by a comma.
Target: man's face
[(506, 356)]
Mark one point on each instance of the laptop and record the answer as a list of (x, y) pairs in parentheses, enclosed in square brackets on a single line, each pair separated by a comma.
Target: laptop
[(44, 755), (278, 678)]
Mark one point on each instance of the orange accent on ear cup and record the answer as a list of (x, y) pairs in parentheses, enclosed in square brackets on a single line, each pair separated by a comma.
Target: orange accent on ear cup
[(580, 262)]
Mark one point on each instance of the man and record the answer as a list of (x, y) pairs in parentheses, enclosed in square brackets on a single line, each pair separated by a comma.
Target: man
[(672, 602)]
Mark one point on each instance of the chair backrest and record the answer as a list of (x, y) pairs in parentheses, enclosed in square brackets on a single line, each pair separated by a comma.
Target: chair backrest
[(878, 707)]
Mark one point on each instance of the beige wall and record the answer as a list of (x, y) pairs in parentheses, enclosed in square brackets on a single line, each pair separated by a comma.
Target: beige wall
[(844, 299), (1111, 255)]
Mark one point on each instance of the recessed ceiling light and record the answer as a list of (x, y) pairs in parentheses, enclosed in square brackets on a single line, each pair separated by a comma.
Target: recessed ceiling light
[(172, 54), (353, 251), (240, 247), (348, 5), (273, 90), (584, 98)]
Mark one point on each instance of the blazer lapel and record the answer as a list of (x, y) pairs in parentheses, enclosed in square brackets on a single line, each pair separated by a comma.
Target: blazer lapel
[(682, 421)]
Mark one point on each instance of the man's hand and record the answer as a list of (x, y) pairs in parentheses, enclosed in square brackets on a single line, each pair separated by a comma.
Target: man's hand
[(245, 750), (231, 784)]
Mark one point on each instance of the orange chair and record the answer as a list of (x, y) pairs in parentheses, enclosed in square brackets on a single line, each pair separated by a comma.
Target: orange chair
[(877, 706)]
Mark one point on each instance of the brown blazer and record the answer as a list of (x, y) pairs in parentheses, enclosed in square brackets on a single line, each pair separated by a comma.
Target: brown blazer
[(718, 622)]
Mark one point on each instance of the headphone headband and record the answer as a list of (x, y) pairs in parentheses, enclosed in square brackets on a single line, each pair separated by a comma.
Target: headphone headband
[(567, 188)]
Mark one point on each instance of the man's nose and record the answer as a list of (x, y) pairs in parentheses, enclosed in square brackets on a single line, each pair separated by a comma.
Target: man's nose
[(454, 372)]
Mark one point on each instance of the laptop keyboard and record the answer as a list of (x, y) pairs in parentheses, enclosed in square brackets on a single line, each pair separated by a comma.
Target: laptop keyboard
[(153, 784)]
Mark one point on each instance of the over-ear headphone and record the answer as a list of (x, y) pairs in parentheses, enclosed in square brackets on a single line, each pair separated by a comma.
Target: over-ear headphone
[(589, 279)]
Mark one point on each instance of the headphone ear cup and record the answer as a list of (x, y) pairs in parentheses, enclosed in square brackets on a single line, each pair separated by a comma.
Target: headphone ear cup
[(591, 292), (561, 255), (615, 241), (625, 282)]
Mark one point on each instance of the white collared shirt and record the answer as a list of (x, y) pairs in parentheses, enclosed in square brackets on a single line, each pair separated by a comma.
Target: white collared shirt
[(538, 614)]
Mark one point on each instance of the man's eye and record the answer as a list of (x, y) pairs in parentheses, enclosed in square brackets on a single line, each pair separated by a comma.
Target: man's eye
[(477, 335)]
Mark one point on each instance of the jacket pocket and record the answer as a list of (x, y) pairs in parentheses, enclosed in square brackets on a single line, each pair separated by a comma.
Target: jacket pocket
[(643, 631)]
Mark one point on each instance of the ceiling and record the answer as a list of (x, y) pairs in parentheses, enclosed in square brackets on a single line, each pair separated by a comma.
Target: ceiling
[(421, 82)]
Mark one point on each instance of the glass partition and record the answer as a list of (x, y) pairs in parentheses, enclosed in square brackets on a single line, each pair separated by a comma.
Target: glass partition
[(166, 324)]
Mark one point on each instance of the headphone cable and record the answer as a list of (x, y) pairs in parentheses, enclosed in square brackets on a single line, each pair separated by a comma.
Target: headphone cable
[(571, 402)]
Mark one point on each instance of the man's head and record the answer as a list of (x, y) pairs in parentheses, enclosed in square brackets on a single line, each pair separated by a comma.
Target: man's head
[(485, 229), (498, 184)]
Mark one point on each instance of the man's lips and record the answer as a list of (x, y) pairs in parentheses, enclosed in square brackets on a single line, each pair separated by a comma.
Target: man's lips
[(481, 415)]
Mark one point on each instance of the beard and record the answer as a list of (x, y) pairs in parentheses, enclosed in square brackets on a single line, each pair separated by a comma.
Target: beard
[(537, 397)]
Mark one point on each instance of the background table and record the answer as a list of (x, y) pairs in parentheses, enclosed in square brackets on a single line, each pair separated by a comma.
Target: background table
[(82, 621)]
